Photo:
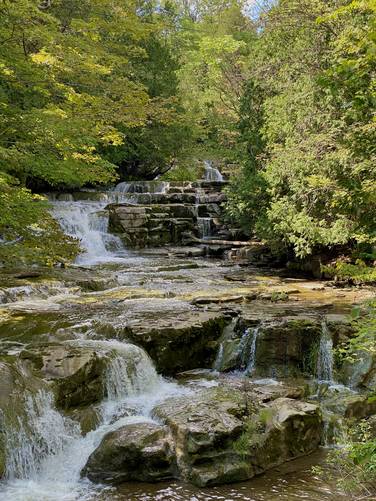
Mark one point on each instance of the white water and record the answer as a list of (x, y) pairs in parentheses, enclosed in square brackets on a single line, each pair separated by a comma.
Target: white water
[(47, 453), (251, 366), (324, 368), (219, 359), (247, 350), (142, 187), (204, 226), (211, 173), (88, 222)]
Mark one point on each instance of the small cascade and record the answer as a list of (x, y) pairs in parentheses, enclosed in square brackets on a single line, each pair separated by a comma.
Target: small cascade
[(88, 222), (46, 451), (251, 366), (247, 350), (142, 187), (324, 366), (211, 173), (334, 433), (204, 226), (228, 333), (45, 433), (218, 363)]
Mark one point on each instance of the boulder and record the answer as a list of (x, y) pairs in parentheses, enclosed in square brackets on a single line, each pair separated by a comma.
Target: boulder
[(351, 405), (76, 374), (225, 434), (140, 451), (360, 373), (204, 428)]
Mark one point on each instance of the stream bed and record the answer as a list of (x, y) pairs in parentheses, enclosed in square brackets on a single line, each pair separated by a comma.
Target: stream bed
[(128, 338)]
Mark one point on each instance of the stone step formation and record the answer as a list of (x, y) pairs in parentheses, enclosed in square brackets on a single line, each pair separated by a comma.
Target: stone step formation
[(178, 214)]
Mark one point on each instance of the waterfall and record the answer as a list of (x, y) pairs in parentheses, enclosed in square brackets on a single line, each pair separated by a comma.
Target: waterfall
[(45, 433), (88, 222), (219, 359), (251, 366), (324, 367), (211, 173), (247, 350), (204, 226), (46, 451), (142, 187)]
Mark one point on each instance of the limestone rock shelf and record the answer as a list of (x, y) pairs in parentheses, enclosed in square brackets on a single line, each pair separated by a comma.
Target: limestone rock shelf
[(182, 214)]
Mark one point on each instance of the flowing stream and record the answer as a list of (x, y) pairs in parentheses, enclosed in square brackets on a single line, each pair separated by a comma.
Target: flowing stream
[(46, 450), (324, 367), (47, 453)]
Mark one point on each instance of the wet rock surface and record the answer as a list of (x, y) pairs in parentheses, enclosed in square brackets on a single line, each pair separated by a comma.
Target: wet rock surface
[(140, 451), (181, 308), (180, 214), (218, 435), (76, 374), (181, 342)]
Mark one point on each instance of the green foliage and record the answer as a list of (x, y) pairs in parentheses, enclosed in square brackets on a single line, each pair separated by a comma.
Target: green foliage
[(65, 88), (278, 296), (244, 443), (183, 172), (28, 233), (311, 104), (363, 341), (365, 325), (354, 463), (358, 273), (214, 39), (85, 87)]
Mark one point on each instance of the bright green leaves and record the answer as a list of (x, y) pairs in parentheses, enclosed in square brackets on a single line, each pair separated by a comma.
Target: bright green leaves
[(28, 233), (67, 93), (315, 62)]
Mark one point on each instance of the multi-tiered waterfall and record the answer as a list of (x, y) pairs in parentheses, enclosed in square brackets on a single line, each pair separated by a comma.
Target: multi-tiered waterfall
[(143, 213), (85, 216), (67, 386)]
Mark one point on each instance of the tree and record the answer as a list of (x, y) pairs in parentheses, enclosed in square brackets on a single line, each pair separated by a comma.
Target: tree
[(318, 130)]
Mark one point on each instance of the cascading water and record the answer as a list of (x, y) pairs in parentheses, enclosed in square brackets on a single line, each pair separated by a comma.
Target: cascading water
[(324, 367), (88, 222), (211, 173), (45, 433), (247, 350), (204, 226), (142, 187), (219, 359), (46, 452), (251, 366)]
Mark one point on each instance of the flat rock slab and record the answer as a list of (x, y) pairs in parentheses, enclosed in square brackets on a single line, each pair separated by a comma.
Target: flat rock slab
[(179, 341)]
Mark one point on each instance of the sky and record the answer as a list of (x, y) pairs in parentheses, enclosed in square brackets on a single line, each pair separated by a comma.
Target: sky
[(255, 7)]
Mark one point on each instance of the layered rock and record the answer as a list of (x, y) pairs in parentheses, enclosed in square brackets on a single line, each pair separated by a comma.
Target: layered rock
[(180, 214), (285, 347), (75, 374), (216, 436), (179, 342)]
